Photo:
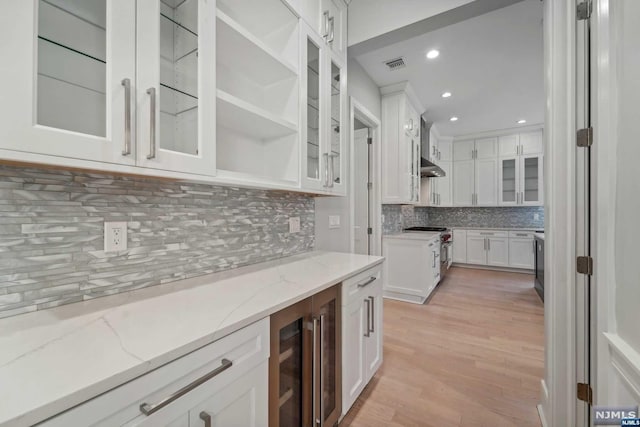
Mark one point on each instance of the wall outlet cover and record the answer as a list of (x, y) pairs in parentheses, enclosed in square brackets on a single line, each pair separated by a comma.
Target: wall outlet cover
[(294, 224), (334, 221), (115, 236)]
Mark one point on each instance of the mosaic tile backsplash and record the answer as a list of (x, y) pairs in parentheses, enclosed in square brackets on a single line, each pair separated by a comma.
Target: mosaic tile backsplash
[(51, 233), (397, 217)]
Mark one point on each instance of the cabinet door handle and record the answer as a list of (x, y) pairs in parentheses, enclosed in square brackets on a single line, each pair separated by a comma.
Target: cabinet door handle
[(373, 315), (149, 409), (332, 169), (332, 29), (488, 244), (152, 123), (326, 24), (206, 417), (314, 375), (484, 244), (367, 282), (434, 259), (368, 302), (127, 117), (321, 423)]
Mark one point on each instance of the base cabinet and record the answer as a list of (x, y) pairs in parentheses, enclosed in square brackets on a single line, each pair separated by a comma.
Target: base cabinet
[(513, 249), (361, 334), (304, 366)]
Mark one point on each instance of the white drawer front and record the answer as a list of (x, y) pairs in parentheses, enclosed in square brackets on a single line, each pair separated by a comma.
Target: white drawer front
[(487, 233), (354, 286), (521, 234), (245, 349)]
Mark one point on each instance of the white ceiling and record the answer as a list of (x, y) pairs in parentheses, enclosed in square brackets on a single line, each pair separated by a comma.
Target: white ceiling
[(492, 64), (371, 18)]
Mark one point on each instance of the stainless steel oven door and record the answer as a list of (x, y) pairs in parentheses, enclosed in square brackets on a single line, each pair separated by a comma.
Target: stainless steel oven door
[(445, 258)]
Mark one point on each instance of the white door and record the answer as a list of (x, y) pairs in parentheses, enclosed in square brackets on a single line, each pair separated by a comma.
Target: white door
[(353, 353), (312, 65), (476, 250), (531, 142), (444, 185), (463, 182), (486, 182), (176, 102), (460, 246), (67, 71), (336, 93), (487, 148), (334, 19), (244, 402), (508, 145), (521, 253), (509, 181), (531, 174), (498, 251), (463, 150), (373, 343)]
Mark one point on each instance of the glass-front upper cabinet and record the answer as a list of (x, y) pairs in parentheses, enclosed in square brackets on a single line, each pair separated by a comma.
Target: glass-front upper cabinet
[(68, 74), (337, 89), (509, 185), (176, 72), (531, 168)]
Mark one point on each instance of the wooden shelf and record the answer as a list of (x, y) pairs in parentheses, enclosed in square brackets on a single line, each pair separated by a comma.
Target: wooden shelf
[(250, 120), (240, 50), (286, 354)]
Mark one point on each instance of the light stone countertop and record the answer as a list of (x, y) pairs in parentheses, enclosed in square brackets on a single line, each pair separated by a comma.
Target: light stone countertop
[(413, 235), (54, 359), (539, 236), (531, 229)]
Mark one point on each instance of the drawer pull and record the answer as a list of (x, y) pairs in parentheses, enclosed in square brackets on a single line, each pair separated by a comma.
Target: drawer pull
[(204, 416), (368, 282), (148, 409)]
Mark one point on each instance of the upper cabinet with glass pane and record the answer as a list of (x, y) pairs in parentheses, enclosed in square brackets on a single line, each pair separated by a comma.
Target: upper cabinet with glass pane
[(209, 90), (521, 169)]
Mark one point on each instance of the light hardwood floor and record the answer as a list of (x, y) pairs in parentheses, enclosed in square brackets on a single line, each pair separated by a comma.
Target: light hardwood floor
[(473, 356)]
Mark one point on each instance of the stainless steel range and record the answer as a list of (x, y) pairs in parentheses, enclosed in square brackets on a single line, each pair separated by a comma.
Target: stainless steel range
[(446, 250)]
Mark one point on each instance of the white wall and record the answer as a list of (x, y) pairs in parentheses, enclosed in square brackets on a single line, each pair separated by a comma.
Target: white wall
[(366, 92), (371, 18)]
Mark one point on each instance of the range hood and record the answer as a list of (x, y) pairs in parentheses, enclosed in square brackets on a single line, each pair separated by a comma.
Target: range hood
[(427, 168)]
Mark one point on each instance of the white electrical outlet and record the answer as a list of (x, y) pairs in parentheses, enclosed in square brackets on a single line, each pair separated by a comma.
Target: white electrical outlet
[(294, 224), (536, 216), (115, 236), (334, 221)]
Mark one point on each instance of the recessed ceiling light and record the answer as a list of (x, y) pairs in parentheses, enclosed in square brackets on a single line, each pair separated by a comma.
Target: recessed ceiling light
[(432, 54), (446, 94), (522, 121), (454, 119)]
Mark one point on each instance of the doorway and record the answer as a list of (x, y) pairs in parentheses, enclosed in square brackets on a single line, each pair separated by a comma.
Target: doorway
[(366, 229)]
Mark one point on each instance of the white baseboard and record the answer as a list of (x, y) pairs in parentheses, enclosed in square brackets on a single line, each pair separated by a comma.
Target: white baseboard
[(626, 361), (492, 268)]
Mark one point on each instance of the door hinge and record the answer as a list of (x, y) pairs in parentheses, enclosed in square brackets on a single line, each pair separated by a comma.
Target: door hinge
[(369, 140), (370, 185), (584, 10), (585, 137), (584, 265), (369, 230), (585, 393)]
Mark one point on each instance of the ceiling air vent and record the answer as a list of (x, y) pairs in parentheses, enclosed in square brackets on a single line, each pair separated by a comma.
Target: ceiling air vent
[(395, 64)]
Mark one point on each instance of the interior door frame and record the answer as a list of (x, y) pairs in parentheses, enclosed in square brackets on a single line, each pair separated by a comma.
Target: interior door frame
[(359, 111)]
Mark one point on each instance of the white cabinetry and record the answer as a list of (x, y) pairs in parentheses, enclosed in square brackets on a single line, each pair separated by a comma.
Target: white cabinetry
[(475, 172), (521, 250), (520, 170), (460, 246), (514, 249), (226, 382), (438, 191), (488, 248), (401, 150), (412, 268), (324, 106), (361, 333)]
